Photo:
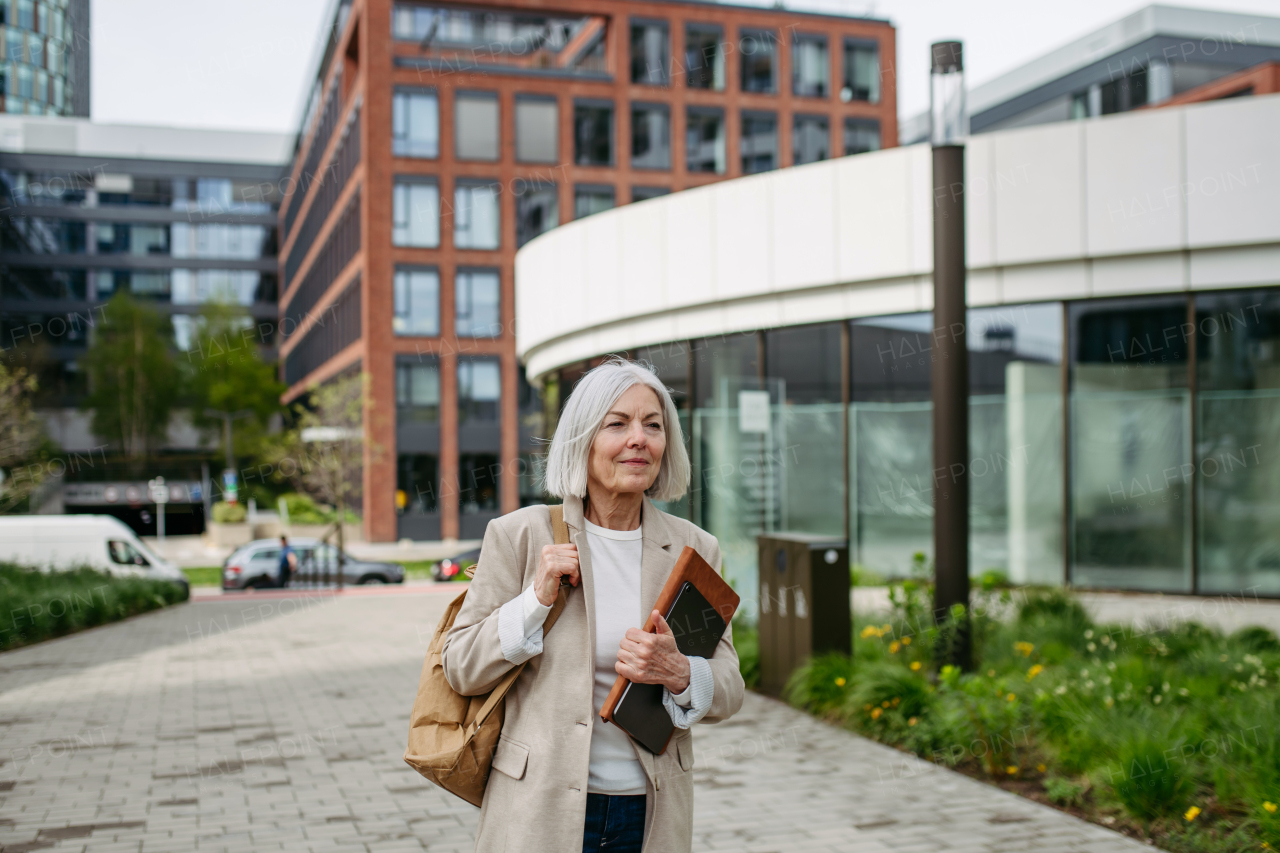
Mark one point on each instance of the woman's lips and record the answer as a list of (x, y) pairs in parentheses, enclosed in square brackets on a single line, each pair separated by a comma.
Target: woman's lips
[(635, 463)]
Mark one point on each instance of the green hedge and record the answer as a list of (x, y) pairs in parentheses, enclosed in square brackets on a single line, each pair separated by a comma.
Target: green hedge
[(1169, 734), (36, 605)]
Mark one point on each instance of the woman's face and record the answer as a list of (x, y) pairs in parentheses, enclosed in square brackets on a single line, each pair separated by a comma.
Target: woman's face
[(627, 450)]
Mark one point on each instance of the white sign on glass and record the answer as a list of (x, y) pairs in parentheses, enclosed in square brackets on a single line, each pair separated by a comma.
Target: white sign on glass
[(753, 411)]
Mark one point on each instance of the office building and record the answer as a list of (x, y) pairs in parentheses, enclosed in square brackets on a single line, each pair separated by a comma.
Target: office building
[(175, 217), (438, 140), (1157, 56), (1123, 335)]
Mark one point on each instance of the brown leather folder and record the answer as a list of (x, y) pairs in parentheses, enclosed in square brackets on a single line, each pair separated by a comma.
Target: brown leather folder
[(689, 568)]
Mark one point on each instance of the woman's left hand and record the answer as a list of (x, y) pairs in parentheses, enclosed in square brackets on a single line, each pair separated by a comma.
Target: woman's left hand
[(653, 658)]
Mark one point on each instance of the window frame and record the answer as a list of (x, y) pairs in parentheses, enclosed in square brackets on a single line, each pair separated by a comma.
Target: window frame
[(706, 29), (596, 104), (846, 43), (408, 181), (665, 73), (796, 119), (660, 106), (589, 188), (536, 98), (743, 116), (472, 269), (410, 92), (767, 36), (719, 112), (797, 38), (395, 298), (470, 183), (461, 95)]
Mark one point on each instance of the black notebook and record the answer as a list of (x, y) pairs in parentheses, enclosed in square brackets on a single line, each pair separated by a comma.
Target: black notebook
[(697, 628)]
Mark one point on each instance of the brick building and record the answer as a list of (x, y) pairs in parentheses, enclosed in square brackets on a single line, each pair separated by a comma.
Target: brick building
[(439, 139)]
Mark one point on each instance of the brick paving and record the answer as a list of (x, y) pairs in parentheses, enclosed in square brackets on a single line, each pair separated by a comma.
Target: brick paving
[(277, 723)]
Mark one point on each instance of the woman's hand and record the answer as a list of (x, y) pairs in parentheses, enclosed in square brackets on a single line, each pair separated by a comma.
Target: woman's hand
[(557, 561), (653, 658)]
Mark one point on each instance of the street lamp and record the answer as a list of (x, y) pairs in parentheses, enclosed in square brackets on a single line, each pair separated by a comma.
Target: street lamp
[(229, 473), (949, 125)]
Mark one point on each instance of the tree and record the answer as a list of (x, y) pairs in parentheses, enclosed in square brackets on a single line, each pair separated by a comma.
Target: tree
[(226, 373), (21, 434), (132, 377), (330, 470)]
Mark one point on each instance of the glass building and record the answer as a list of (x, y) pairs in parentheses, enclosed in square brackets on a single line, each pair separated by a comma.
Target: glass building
[(1124, 358), (45, 46)]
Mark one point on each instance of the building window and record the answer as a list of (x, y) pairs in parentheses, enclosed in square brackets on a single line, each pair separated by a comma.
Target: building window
[(593, 133), (478, 482), (415, 214), (477, 311), (811, 139), (704, 56), (589, 199), (759, 57), (759, 142), (476, 216), (861, 135), (704, 140), (809, 72), (417, 302), (650, 52), (417, 392), (650, 136), (646, 193), (537, 211), (417, 482), (415, 124), (479, 389), (861, 71), (537, 126), (475, 116)]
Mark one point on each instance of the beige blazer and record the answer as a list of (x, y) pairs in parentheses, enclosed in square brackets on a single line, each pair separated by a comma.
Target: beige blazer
[(536, 797)]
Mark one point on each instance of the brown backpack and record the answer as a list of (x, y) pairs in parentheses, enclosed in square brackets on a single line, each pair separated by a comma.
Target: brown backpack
[(452, 737)]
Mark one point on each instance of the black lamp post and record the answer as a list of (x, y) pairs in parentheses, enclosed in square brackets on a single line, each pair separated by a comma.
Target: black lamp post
[(949, 125)]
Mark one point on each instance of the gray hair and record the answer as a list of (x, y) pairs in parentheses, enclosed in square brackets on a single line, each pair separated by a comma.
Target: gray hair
[(569, 456)]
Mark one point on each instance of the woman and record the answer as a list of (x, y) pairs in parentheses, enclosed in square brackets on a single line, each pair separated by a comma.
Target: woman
[(563, 780)]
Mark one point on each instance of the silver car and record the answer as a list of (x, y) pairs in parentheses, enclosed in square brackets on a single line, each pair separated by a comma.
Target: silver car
[(257, 566)]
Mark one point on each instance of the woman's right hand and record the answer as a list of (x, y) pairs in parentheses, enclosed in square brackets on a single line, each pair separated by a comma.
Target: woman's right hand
[(557, 561)]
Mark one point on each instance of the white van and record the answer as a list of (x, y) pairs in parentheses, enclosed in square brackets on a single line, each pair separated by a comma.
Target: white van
[(99, 542)]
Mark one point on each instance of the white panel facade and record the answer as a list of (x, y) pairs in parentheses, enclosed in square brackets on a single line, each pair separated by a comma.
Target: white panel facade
[(805, 223), (1135, 174), (744, 233), (1039, 194), (873, 193), (690, 266), (1232, 188)]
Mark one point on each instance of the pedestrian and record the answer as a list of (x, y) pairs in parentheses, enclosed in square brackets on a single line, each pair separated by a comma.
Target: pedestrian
[(288, 561), (563, 780)]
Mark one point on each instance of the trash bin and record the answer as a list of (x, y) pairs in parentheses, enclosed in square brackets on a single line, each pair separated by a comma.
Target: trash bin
[(804, 603)]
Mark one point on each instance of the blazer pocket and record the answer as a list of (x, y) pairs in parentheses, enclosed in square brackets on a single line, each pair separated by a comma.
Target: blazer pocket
[(510, 758), (684, 751)]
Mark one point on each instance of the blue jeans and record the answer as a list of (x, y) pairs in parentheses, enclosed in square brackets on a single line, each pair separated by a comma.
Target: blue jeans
[(614, 824)]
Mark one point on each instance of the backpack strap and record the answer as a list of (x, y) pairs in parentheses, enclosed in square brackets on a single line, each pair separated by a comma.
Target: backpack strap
[(560, 534)]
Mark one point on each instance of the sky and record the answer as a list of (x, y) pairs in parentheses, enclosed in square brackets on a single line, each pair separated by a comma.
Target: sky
[(172, 62)]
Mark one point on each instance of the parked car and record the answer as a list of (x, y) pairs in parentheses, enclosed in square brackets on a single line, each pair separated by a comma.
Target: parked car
[(257, 565), (450, 567), (102, 542)]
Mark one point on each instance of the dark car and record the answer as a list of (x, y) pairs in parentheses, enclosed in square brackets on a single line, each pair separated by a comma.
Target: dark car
[(257, 566), (450, 567)]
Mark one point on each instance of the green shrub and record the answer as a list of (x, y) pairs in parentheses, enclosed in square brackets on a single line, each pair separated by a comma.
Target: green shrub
[(1063, 791), (1256, 639), (36, 605), (1148, 783), (225, 513), (746, 641)]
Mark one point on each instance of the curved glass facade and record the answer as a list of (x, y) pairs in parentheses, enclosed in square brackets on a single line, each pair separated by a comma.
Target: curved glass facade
[(1114, 443)]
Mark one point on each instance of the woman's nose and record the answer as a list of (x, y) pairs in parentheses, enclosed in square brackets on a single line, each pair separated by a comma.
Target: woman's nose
[(636, 436)]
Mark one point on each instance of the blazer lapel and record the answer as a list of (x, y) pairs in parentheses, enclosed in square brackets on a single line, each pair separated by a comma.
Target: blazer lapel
[(657, 557)]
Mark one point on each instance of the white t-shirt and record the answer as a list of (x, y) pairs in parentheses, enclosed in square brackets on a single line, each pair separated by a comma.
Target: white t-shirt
[(615, 575)]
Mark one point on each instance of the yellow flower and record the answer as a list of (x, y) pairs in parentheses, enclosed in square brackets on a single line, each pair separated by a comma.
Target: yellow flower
[(893, 647), (915, 666), (885, 628), (870, 631), (1024, 648), (912, 721), (839, 681), (1192, 813), (866, 707), (896, 700), (1012, 696), (884, 704), (1034, 671), (1270, 807), (875, 713), (1011, 770), (906, 641), (991, 673), (1041, 768)]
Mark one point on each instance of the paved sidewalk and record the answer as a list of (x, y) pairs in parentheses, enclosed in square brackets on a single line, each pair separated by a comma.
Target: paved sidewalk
[(278, 724)]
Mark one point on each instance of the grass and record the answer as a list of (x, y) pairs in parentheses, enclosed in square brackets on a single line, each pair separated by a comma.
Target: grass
[(36, 605), (204, 576), (1168, 735)]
